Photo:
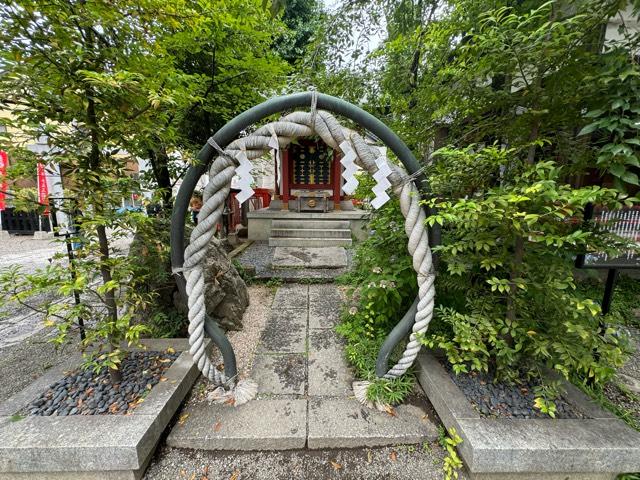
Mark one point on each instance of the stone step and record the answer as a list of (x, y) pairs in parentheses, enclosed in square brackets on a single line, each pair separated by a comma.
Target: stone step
[(344, 423), (310, 224), (309, 258), (309, 242), (269, 424), (310, 233)]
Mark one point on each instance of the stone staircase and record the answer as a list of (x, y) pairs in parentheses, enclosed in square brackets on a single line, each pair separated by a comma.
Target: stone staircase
[(310, 233)]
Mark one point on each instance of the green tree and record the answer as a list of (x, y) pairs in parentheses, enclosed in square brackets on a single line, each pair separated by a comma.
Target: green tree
[(303, 18), (531, 100), (106, 82)]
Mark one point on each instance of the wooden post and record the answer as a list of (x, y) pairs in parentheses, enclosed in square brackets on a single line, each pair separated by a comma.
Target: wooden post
[(337, 171), (276, 188), (285, 179)]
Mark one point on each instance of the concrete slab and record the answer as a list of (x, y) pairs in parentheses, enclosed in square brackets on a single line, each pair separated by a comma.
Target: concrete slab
[(329, 373), (292, 296), (270, 424), (554, 446), (541, 476), (280, 374), (285, 332), (325, 304), (258, 258), (344, 423), (93, 446), (107, 475), (593, 448), (309, 257), (54, 444)]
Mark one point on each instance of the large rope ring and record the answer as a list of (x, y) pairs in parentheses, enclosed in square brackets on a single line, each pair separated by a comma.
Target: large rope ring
[(295, 125)]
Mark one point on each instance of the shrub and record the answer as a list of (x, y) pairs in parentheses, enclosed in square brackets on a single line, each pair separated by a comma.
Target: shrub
[(382, 286), (507, 255)]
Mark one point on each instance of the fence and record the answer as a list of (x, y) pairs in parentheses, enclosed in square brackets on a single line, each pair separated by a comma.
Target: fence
[(625, 223), (236, 214), (23, 223)]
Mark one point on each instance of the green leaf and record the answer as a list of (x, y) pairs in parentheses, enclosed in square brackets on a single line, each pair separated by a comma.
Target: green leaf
[(631, 178), (617, 169), (592, 127)]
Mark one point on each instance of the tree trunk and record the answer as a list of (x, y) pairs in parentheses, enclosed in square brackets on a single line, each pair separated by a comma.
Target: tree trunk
[(109, 296), (160, 168), (103, 241)]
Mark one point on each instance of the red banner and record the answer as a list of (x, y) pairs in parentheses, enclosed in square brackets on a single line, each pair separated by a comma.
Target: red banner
[(4, 162), (43, 189)]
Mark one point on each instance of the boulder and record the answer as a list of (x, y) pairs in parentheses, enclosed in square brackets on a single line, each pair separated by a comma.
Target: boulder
[(226, 296)]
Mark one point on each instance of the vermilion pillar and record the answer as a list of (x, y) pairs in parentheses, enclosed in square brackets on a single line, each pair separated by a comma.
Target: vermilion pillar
[(336, 180), (285, 180), (276, 188)]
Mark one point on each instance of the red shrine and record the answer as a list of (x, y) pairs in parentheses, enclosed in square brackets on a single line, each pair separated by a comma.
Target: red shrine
[(308, 177)]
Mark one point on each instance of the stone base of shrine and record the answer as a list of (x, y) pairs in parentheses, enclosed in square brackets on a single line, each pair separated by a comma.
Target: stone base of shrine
[(262, 221)]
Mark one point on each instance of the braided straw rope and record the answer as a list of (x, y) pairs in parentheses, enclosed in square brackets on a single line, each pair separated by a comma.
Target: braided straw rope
[(295, 125)]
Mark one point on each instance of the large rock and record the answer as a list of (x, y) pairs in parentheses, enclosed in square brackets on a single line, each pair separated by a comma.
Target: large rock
[(226, 293), (226, 296)]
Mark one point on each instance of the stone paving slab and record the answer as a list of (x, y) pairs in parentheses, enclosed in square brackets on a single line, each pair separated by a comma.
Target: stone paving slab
[(344, 423), (329, 373), (270, 424), (541, 445), (325, 304), (305, 392), (48, 444), (258, 257), (291, 296), (285, 332), (280, 374), (309, 257)]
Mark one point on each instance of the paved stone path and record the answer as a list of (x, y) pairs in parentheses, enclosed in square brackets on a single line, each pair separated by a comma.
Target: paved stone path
[(309, 257), (305, 397), (295, 264)]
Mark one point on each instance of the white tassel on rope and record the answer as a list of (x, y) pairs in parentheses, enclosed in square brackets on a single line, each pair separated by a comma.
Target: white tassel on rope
[(242, 392), (245, 179), (382, 183), (360, 389), (350, 168)]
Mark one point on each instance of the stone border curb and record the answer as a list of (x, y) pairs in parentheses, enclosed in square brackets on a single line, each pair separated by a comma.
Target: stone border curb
[(109, 447), (501, 448)]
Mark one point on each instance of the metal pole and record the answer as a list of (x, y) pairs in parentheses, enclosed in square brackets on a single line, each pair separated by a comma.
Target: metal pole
[(609, 288), (72, 268)]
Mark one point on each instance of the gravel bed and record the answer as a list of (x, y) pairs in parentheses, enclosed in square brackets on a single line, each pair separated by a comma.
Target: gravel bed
[(497, 399), (23, 362), (389, 463), (259, 256), (83, 392), (245, 342)]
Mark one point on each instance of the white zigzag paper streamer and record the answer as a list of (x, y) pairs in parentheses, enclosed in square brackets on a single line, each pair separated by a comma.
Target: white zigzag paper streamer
[(350, 168), (382, 183), (244, 172)]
